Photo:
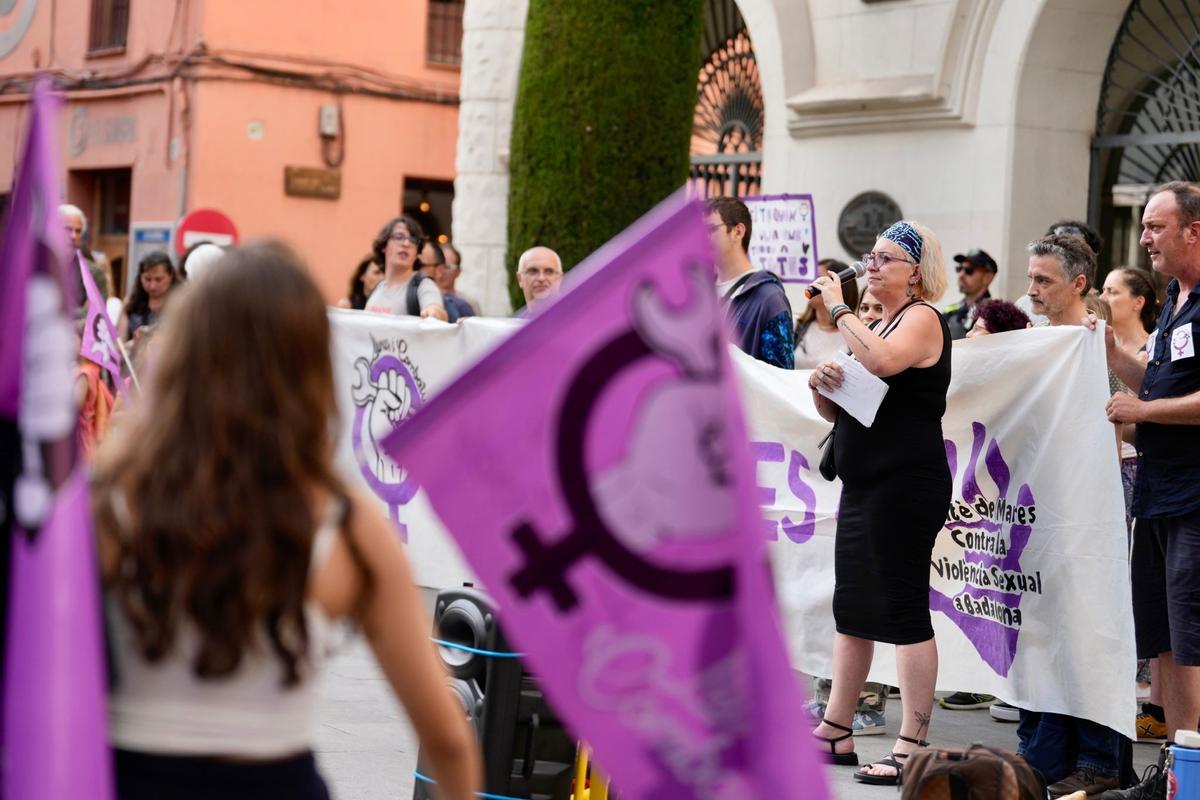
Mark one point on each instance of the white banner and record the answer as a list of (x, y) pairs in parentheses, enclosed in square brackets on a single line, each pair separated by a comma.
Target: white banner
[(1029, 579)]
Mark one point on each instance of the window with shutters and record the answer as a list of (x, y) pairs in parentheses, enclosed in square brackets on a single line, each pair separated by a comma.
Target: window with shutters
[(445, 32), (109, 25)]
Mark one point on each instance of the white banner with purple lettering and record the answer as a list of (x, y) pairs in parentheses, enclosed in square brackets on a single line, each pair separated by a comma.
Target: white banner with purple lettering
[(1029, 579)]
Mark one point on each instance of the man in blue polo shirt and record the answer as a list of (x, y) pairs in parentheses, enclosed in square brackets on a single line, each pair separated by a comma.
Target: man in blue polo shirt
[(1165, 567)]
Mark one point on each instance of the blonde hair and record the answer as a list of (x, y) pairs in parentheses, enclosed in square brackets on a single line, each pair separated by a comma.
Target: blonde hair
[(932, 269), (1098, 306)]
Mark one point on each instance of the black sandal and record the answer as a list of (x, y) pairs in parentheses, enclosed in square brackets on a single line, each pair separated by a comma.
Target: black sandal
[(833, 756), (891, 760)]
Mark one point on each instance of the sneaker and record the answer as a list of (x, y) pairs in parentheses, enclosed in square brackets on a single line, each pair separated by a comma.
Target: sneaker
[(965, 701), (893, 691), (816, 710), (1153, 785), (869, 723), (1083, 780), (1004, 712), (1149, 729)]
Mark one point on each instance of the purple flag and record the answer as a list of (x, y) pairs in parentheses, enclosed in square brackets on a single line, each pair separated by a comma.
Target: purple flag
[(595, 471), (54, 723), (99, 340)]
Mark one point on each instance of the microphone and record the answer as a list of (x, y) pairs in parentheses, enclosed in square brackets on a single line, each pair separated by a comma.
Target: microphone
[(855, 270)]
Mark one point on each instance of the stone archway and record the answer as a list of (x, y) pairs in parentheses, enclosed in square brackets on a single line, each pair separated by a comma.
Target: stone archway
[(1146, 120), (1059, 76), (729, 120), (781, 71)]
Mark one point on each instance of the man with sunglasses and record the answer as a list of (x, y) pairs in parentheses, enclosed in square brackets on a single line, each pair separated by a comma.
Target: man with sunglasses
[(975, 272)]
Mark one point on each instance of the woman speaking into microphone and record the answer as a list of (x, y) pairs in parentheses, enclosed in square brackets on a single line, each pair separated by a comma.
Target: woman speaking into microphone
[(895, 490)]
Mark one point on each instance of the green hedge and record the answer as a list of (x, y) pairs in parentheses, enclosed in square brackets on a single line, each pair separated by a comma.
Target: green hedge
[(603, 120)]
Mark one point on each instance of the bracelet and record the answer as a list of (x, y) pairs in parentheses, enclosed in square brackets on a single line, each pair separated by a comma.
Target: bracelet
[(839, 311)]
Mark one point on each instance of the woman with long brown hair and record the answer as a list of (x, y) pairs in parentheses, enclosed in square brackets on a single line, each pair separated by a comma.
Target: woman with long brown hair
[(229, 544)]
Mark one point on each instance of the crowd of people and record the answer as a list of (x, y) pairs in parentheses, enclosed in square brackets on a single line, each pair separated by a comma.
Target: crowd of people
[(228, 544), (223, 569), (898, 464)]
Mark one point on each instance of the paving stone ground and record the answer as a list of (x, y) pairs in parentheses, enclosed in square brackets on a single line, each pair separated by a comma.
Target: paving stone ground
[(367, 750)]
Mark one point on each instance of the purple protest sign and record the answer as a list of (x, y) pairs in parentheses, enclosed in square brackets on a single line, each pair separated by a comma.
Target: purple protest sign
[(595, 471), (99, 340), (54, 721)]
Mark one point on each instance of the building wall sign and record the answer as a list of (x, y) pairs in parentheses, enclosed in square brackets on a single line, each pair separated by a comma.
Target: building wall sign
[(15, 17), (88, 130), (863, 219), (312, 182)]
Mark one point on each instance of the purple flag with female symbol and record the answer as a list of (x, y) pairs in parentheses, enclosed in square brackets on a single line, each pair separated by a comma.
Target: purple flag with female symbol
[(54, 723), (594, 469), (99, 342)]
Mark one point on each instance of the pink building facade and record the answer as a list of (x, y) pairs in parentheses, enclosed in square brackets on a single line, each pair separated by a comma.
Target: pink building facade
[(312, 121)]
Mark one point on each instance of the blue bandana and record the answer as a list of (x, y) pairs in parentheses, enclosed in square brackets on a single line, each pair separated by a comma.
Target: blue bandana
[(907, 237)]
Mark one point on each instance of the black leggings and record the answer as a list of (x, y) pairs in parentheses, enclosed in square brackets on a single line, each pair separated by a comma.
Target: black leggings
[(144, 776)]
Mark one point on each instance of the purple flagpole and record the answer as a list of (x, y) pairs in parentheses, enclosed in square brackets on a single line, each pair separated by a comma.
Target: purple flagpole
[(54, 719)]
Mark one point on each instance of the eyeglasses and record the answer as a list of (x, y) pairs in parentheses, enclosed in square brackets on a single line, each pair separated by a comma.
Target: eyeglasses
[(881, 260), (401, 239), (968, 271)]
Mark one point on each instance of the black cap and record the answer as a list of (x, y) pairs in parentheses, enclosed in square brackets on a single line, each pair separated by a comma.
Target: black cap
[(979, 258)]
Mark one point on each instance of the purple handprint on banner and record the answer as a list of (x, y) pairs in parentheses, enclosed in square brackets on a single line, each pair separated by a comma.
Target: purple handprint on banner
[(991, 535)]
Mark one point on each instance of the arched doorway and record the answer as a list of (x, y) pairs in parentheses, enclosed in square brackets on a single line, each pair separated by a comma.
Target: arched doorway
[(1148, 120), (727, 131)]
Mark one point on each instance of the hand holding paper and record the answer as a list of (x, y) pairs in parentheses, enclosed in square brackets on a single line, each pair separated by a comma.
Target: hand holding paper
[(860, 393)]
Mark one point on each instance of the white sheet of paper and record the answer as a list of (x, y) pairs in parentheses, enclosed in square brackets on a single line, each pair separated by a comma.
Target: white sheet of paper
[(861, 393)]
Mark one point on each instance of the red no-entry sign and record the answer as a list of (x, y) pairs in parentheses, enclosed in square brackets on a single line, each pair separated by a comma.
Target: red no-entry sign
[(204, 225)]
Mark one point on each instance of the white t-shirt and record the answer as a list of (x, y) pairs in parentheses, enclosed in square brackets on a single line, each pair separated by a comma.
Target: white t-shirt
[(818, 345), (393, 299), (723, 287)]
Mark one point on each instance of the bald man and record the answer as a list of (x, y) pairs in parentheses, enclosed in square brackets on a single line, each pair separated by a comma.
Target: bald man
[(539, 274)]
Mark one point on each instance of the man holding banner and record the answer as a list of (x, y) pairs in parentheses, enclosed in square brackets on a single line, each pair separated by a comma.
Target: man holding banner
[(1166, 498), (1072, 753)]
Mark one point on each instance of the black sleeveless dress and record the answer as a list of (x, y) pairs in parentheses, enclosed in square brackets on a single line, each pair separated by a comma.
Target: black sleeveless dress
[(896, 489)]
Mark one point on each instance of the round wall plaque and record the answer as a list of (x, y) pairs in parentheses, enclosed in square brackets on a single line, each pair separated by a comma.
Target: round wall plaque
[(15, 24), (863, 219)]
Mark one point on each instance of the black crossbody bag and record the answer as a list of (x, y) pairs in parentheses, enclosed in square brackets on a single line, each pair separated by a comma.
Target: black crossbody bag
[(827, 466)]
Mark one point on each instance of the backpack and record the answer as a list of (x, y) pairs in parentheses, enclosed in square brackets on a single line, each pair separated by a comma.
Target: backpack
[(410, 295), (977, 773)]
